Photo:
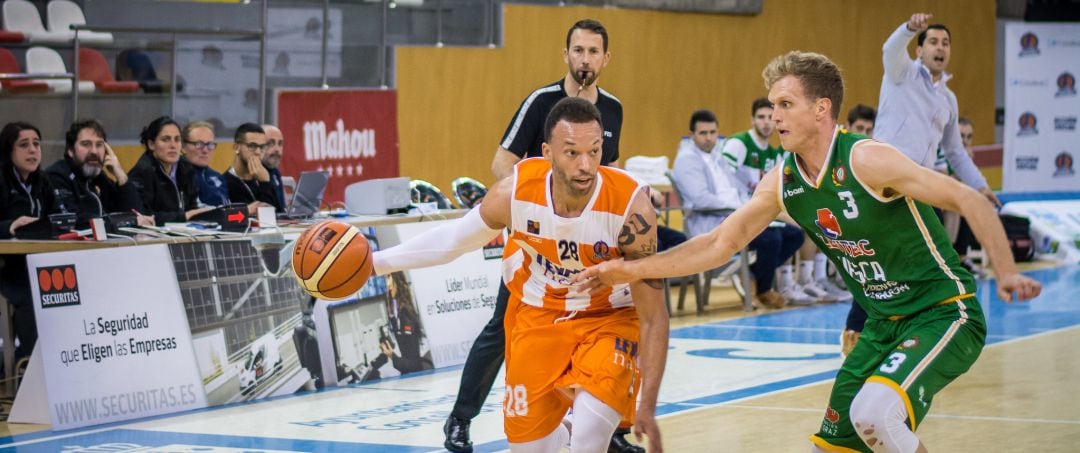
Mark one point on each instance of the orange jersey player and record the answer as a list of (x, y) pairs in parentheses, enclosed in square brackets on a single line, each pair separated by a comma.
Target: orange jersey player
[(593, 348)]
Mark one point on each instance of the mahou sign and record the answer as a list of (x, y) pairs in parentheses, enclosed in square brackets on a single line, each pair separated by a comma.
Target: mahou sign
[(351, 133)]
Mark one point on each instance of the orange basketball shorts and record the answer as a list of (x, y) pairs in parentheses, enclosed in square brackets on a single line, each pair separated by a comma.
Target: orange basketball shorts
[(550, 354)]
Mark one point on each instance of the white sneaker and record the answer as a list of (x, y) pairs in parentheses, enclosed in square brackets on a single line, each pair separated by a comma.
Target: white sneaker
[(835, 292), (797, 296), (813, 289)]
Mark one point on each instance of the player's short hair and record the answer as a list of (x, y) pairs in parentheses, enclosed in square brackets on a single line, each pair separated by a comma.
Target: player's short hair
[(922, 34), (247, 128), (861, 112), (759, 103), (701, 116), (572, 110), (965, 121), (591, 25), (820, 77)]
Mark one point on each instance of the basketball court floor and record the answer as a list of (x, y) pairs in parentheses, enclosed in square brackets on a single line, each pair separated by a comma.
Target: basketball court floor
[(754, 383)]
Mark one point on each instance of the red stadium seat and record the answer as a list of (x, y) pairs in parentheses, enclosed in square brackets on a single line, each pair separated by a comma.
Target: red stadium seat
[(8, 65), (7, 37), (93, 67)]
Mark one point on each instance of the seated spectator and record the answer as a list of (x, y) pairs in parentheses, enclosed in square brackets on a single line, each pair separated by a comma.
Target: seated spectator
[(89, 180), (199, 144), (27, 197), (248, 179), (711, 190), (166, 184), (275, 143), (860, 120)]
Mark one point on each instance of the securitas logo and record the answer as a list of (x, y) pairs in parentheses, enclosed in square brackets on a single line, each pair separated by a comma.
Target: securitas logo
[(828, 223), (1029, 45), (59, 286), (1064, 123), (1027, 123)]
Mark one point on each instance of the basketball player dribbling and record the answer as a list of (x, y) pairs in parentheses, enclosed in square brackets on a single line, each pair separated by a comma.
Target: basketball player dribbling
[(593, 348)]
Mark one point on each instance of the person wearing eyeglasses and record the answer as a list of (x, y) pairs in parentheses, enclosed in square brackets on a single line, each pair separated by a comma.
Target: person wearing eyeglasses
[(248, 180), (199, 145), (165, 182)]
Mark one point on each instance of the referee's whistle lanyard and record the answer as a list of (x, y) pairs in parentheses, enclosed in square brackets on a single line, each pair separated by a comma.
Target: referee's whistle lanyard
[(35, 205)]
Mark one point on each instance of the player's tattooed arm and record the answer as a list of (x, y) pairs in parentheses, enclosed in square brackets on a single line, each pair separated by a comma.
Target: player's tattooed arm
[(637, 239)]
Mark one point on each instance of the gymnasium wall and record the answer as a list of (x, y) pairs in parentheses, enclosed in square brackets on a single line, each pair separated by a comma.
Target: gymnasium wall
[(454, 103)]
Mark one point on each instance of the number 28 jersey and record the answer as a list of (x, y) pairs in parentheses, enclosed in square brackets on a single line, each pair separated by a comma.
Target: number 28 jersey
[(892, 251), (544, 250)]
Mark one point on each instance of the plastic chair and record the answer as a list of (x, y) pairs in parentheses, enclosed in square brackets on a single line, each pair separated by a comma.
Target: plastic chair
[(9, 65), (425, 192), (11, 37), (22, 16), (740, 274), (62, 14), (467, 192), (94, 67), (134, 64), (45, 60)]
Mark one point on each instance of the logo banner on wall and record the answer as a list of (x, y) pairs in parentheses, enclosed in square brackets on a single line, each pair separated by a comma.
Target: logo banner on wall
[(351, 133), (1042, 62), (453, 300), (113, 348)]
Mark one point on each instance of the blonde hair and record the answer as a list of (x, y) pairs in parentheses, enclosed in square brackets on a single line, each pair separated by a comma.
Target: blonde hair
[(820, 77), (196, 125)]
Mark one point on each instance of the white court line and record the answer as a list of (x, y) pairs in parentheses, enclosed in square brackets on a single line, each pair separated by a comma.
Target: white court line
[(799, 329), (945, 416)]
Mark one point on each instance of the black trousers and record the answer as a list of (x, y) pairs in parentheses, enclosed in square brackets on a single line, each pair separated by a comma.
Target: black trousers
[(482, 365)]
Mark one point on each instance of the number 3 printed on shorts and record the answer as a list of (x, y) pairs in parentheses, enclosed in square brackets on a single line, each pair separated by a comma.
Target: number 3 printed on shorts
[(893, 362), (517, 401)]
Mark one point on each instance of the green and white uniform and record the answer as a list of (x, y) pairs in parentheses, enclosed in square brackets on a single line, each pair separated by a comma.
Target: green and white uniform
[(755, 156), (925, 327)]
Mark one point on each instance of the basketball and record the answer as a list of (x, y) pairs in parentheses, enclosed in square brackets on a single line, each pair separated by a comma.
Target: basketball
[(332, 260)]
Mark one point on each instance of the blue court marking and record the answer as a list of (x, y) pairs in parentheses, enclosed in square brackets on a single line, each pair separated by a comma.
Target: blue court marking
[(163, 438), (1053, 310), (1006, 197)]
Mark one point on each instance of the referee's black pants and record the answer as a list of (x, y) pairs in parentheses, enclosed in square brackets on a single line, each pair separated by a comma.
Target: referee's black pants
[(482, 365)]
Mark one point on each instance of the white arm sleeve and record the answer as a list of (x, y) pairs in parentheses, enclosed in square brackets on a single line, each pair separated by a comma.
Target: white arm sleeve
[(439, 245)]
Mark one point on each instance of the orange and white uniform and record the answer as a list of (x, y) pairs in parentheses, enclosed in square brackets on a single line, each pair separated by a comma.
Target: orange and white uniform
[(558, 338)]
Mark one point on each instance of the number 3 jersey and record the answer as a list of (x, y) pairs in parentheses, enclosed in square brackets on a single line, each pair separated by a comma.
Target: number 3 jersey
[(545, 250), (892, 251)]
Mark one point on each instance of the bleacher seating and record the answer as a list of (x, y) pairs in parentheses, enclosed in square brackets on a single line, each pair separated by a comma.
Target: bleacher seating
[(94, 68), (11, 37), (22, 16), (64, 13), (9, 65), (46, 60)]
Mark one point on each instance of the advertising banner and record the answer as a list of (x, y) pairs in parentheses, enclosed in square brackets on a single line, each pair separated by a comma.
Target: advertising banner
[(113, 347), (453, 300), (1041, 107), (351, 133)]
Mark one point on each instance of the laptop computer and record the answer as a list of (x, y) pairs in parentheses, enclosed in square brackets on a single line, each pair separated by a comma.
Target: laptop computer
[(307, 198)]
